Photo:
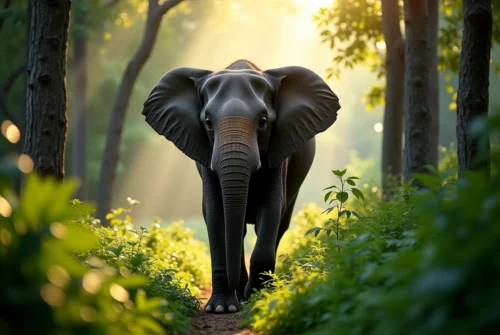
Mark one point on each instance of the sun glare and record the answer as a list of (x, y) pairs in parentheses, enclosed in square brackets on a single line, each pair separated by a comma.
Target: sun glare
[(312, 5)]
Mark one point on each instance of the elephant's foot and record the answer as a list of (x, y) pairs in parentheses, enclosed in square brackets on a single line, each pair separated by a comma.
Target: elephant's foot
[(223, 299), (251, 286), (222, 303)]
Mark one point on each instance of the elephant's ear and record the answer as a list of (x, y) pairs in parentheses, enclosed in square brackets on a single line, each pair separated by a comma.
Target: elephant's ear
[(305, 106), (173, 110)]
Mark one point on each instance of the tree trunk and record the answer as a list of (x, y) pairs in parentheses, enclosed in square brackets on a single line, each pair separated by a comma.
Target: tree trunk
[(433, 7), (394, 96), (115, 129), (473, 83), (46, 121), (417, 93), (80, 110)]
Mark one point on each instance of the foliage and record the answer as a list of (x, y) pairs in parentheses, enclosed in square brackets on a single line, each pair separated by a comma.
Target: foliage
[(58, 274), (424, 262), (353, 30), (338, 202), (154, 251)]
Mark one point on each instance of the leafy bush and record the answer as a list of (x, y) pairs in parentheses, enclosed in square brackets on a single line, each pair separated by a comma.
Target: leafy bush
[(152, 251), (61, 273), (424, 262)]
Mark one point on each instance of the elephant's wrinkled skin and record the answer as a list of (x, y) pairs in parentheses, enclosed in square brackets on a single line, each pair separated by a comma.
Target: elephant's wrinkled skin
[(251, 133)]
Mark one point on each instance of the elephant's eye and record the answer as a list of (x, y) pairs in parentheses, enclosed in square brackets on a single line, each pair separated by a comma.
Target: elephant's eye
[(208, 122), (262, 121)]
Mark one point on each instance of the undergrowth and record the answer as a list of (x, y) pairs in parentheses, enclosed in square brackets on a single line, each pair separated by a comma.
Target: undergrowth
[(63, 273), (424, 262)]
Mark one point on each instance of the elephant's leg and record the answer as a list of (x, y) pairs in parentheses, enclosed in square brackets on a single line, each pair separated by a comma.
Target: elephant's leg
[(285, 221), (240, 291), (267, 227), (223, 299)]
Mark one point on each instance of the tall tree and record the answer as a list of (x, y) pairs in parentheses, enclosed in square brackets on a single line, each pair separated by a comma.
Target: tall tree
[(46, 121), (417, 93), (433, 10), (473, 95), (362, 26), (392, 140), (88, 19), (79, 113), (107, 177)]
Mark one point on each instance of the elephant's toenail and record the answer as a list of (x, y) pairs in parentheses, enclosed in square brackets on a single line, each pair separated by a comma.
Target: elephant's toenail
[(232, 309), (209, 308), (219, 309)]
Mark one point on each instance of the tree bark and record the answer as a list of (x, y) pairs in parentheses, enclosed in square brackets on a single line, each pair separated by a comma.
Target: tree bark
[(473, 84), (80, 111), (433, 7), (46, 121), (392, 145), (417, 93), (115, 129)]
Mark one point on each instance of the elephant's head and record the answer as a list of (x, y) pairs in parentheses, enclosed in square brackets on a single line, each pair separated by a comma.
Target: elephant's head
[(232, 120)]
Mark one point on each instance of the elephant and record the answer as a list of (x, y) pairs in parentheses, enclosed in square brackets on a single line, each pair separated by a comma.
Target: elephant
[(251, 134)]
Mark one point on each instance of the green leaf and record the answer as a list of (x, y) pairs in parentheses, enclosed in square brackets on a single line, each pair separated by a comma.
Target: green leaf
[(138, 259), (355, 214), (427, 180), (357, 193), (327, 195), (352, 178), (328, 210), (116, 251), (313, 230), (150, 324), (271, 305), (342, 196), (77, 238), (339, 173), (348, 213), (350, 182), (329, 221), (342, 213), (330, 187), (131, 281)]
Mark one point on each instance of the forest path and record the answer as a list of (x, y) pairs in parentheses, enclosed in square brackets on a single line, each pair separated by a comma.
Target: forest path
[(220, 324)]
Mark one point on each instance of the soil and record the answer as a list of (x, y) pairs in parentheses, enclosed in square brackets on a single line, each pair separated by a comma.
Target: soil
[(221, 324)]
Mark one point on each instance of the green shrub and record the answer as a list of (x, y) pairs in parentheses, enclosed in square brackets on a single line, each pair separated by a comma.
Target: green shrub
[(424, 262), (309, 290), (154, 250), (62, 275)]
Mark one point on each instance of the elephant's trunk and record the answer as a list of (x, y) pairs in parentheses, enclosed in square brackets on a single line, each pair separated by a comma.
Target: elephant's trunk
[(235, 159)]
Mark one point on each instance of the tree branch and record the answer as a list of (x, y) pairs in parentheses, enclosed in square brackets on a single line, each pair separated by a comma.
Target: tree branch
[(6, 111), (390, 23), (5, 6), (167, 5), (4, 91), (11, 78)]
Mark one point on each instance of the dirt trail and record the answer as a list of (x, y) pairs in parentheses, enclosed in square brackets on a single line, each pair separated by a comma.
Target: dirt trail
[(220, 324)]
